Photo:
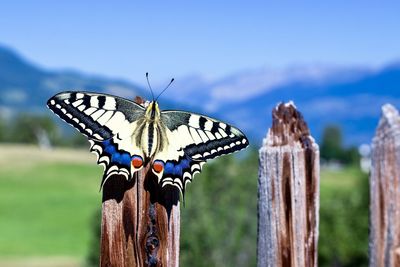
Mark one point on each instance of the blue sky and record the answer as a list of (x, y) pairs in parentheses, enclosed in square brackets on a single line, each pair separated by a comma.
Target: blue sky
[(212, 38)]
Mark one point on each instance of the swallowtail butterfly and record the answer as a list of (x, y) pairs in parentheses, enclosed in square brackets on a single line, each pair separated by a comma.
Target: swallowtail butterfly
[(127, 136)]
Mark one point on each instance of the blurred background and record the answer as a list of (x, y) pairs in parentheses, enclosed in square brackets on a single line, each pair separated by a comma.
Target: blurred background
[(233, 60)]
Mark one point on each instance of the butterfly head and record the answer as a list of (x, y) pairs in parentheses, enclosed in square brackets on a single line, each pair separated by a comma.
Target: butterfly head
[(152, 111)]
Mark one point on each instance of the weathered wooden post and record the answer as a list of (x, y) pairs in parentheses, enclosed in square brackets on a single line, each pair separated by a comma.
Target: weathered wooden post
[(140, 222), (288, 192), (384, 240)]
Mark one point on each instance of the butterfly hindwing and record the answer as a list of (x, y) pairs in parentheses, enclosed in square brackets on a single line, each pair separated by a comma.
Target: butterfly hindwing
[(116, 160), (108, 122)]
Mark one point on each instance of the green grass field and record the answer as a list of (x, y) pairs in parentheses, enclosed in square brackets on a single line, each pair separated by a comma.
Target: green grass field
[(48, 200)]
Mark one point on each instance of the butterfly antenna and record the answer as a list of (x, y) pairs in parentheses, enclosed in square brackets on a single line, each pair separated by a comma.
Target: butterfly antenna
[(148, 83), (172, 80)]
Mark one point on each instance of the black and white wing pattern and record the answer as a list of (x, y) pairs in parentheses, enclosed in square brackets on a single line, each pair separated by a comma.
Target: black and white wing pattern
[(97, 116), (108, 122), (192, 140), (126, 136)]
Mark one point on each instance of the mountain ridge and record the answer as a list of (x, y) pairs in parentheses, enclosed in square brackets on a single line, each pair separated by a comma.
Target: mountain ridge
[(347, 96)]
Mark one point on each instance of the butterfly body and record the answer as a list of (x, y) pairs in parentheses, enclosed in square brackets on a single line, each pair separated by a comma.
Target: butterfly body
[(150, 134), (126, 136)]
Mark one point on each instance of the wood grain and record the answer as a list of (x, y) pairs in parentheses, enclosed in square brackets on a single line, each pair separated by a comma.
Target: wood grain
[(288, 192), (140, 223), (384, 240)]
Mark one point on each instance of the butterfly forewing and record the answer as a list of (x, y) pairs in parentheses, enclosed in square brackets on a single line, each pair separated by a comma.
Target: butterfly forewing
[(98, 116), (202, 137)]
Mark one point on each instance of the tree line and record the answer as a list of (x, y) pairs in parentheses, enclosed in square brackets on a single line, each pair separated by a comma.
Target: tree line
[(26, 128), (38, 128)]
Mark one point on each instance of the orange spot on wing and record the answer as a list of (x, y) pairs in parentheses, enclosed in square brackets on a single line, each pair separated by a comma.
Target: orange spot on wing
[(137, 162), (158, 166)]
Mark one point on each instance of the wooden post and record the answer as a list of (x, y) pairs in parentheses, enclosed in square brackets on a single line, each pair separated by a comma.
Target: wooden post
[(288, 192), (384, 239), (140, 222)]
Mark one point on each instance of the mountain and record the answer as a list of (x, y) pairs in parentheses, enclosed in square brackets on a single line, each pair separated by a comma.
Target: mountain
[(26, 87), (245, 85), (350, 97)]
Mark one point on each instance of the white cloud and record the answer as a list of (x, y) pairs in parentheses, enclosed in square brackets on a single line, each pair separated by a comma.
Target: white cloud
[(252, 83), (211, 94)]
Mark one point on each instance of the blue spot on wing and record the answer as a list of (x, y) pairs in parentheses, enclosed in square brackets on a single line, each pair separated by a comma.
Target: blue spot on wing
[(176, 169), (110, 149), (184, 163), (116, 157), (125, 159), (119, 157), (169, 168), (106, 142)]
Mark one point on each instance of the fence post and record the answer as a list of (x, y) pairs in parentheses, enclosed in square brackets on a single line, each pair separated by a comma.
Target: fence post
[(288, 192), (140, 222), (384, 239)]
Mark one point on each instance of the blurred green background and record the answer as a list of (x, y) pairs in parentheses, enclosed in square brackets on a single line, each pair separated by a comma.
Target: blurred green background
[(50, 205)]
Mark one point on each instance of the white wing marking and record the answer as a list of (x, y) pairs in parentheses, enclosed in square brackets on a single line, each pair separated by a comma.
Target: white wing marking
[(109, 104), (208, 125), (105, 117), (222, 132), (195, 135), (77, 102), (194, 121), (203, 135), (90, 111), (94, 102), (210, 135), (97, 114)]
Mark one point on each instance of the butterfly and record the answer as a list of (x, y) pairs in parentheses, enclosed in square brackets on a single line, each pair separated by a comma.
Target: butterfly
[(127, 136)]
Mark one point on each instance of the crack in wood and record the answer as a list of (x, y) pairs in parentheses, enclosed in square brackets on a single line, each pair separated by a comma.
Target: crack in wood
[(288, 192), (384, 236)]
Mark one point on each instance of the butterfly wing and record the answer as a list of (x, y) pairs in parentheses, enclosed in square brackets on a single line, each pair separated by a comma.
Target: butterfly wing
[(112, 123), (97, 116), (192, 140), (108, 122)]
